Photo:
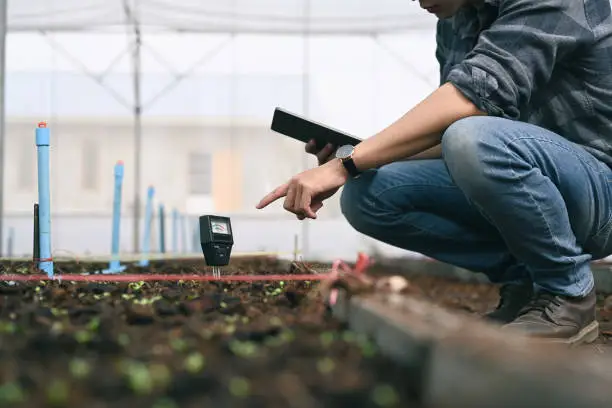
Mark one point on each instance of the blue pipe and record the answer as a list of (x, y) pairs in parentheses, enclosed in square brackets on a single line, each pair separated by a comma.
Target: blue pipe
[(162, 230), (184, 237), (147, 227), (175, 230), (11, 242), (115, 265), (45, 263)]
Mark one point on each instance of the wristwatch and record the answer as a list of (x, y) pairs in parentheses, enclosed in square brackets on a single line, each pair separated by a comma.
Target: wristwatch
[(345, 154)]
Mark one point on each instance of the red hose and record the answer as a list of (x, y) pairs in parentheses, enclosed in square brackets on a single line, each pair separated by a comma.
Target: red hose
[(156, 277)]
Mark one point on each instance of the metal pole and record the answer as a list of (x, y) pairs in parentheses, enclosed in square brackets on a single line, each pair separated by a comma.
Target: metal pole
[(137, 131), (3, 29), (306, 109)]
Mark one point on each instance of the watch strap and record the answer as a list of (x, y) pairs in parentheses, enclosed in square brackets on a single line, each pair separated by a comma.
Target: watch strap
[(349, 165)]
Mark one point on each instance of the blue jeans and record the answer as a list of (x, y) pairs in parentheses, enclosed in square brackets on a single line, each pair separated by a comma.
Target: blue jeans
[(508, 199)]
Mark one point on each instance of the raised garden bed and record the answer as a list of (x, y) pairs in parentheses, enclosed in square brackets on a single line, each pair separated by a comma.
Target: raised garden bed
[(186, 344)]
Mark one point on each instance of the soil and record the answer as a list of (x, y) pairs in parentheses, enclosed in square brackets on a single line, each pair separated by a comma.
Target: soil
[(184, 344), (202, 344)]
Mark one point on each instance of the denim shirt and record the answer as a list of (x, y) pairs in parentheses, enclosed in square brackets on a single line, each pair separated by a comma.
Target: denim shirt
[(544, 62)]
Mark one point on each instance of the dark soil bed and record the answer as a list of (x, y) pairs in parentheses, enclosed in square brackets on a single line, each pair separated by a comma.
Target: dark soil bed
[(187, 344), (184, 344), (480, 298)]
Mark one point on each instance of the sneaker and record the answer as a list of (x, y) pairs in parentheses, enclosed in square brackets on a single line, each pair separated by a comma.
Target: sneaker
[(562, 319), (512, 298)]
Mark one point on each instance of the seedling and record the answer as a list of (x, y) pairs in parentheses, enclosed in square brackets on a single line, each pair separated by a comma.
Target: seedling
[(239, 387), (194, 362), (385, 396), (216, 240)]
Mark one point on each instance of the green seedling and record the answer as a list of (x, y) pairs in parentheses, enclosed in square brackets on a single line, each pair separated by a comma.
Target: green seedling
[(178, 344), (8, 327), (207, 334), (275, 321), (349, 336), (286, 336), (123, 339), (58, 312), (327, 338), (11, 393), (138, 377), (384, 396), (94, 324), (79, 368), (136, 286), (194, 362), (165, 403), (147, 301), (57, 327), (326, 365), (83, 336), (368, 347), (245, 349), (58, 393), (232, 318), (239, 387)]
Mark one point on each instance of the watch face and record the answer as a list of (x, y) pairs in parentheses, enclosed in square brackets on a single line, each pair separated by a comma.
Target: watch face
[(344, 152)]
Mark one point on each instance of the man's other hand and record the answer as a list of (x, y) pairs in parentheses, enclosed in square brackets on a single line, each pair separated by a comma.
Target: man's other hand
[(323, 155)]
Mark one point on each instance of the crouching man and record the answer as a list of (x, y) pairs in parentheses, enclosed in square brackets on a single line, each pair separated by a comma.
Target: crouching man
[(505, 169)]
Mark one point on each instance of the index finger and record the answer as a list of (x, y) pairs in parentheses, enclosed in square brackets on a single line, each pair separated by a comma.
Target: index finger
[(311, 146), (273, 196)]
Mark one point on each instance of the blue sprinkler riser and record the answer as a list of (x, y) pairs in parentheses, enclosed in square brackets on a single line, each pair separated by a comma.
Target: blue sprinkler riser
[(114, 265), (43, 139), (147, 228), (175, 230)]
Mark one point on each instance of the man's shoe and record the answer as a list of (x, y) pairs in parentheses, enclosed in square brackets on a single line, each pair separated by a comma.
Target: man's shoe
[(562, 319), (512, 298)]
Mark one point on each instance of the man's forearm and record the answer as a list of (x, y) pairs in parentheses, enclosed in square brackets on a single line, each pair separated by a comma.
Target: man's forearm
[(418, 130), (431, 153)]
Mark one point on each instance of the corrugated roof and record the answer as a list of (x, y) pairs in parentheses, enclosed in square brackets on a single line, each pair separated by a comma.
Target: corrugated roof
[(269, 16)]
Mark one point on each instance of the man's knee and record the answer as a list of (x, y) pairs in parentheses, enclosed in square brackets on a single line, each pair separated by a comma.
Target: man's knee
[(470, 149)]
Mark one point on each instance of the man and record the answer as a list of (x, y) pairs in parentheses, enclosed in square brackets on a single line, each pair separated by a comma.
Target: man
[(505, 169)]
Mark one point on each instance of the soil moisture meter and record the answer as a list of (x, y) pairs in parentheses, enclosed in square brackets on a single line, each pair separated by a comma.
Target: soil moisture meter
[(217, 240)]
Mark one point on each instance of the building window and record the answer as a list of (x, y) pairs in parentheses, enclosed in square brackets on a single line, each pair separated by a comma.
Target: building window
[(200, 174), (89, 165), (27, 176)]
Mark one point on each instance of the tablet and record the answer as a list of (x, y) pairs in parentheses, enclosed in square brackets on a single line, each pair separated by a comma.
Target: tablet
[(299, 128)]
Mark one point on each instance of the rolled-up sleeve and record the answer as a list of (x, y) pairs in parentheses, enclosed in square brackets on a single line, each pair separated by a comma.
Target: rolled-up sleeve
[(517, 54)]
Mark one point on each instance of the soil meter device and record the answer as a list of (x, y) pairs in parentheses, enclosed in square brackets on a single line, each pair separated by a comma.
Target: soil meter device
[(217, 240)]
